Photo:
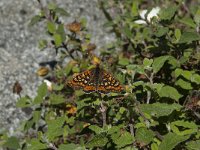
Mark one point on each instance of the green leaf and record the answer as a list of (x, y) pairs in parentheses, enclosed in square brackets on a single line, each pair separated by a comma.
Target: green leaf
[(96, 129), (171, 140), (61, 11), (12, 143), (184, 84), (24, 102), (196, 78), (188, 21), (52, 6), (197, 17), (177, 34), (124, 139), (57, 87), (181, 127), (41, 93), (123, 61), (143, 135), (61, 31), (185, 73), (127, 32), (134, 8), (159, 109), (98, 140), (36, 116), (51, 27), (188, 37), (58, 39), (170, 92), (147, 62), (161, 31), (35, 20), (159, 62), (55, 128), (193, 145), (42, 44), (56, 99), (167, 13), (35, 144), (70, 146)]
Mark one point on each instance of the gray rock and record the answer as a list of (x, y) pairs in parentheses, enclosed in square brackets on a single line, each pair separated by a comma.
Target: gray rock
[(19, 54)]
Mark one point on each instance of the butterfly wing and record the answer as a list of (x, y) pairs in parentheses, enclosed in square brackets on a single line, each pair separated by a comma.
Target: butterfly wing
[(107, 83), (84, 81)]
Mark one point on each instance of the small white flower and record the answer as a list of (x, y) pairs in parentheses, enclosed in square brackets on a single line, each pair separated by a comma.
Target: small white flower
[(153, 13), (49, 85)]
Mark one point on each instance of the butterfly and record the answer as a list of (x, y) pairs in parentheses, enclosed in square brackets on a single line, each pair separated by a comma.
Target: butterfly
[(95, 80)]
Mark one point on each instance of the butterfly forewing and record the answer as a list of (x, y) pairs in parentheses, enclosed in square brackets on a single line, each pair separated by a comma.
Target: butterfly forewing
[(84, 80)]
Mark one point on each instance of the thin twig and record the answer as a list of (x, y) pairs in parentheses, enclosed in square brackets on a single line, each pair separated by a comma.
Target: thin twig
[(103, 109), (103, 112)]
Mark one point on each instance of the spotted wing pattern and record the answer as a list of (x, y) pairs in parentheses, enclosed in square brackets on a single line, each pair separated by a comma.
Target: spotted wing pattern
[(107, 83), (96, 80), (83, 80)]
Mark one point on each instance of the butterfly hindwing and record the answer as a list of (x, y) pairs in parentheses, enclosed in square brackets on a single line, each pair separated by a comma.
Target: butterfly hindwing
[(81, 80), (107, 83)]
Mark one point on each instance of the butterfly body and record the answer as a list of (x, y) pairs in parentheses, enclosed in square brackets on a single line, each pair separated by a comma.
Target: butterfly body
[(96, 80)]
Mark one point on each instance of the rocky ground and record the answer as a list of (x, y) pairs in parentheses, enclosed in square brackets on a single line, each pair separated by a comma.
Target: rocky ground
[(20, 56)]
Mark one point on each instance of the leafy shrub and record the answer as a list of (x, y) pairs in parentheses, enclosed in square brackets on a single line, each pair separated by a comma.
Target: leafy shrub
[(156, 58)]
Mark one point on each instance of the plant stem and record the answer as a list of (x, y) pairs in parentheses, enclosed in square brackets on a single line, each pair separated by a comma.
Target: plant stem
[(103, 112)]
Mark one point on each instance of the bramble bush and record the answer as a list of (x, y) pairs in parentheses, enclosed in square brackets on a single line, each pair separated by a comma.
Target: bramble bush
[(156, 57)]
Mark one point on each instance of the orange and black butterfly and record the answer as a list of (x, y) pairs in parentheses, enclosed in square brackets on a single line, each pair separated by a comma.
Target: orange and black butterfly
[(96, 80)]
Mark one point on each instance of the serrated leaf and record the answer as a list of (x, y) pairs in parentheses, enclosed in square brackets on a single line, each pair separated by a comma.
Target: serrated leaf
[(185, 73), (123, 61), (51, 27), (24, 102), (57, 87), (143, 135), (197, 17), (127, 32), (35, 20), (161, 31), (55, 128), (124, 139), (188, 21), (171, 140), (58, 39), (42, 44), (61, 11), (96, 129), (98, 140), (52, 6), (170, 92), (35, 144), (167, 13), (159, 62), (56, 99), (193, 145), (147, 62), (70, 146), (41, 93), (196, 78), (188, 37), (184, 84), (177, 34), (36, 116), (159, 109), (12, 143), (181, 127)]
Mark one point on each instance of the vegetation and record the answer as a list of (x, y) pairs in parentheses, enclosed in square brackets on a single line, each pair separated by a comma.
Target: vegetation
[(155, 57)]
